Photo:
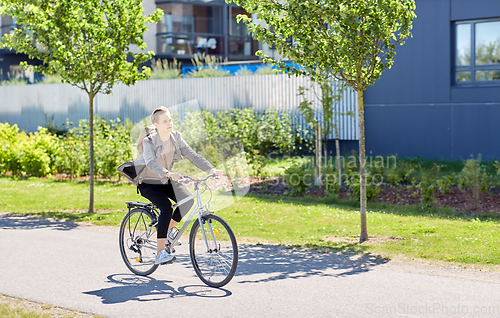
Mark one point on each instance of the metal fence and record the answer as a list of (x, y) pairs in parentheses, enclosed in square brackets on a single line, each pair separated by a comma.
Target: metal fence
[(29, 106)]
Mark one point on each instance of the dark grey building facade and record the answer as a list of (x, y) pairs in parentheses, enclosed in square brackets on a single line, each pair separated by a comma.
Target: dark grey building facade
[(441, 99)]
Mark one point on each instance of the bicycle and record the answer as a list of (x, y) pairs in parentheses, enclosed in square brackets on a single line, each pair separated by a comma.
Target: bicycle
[(212, 245)]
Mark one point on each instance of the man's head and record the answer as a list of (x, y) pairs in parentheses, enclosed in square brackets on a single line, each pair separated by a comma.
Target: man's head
[(162, 120), (155, 115)]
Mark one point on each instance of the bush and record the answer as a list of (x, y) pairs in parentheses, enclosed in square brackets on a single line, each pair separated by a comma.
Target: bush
[(163, 69), (111, 148), (474, 177), (354, 183), (265, 132), (298, 177), (206, 66), (9, 148)]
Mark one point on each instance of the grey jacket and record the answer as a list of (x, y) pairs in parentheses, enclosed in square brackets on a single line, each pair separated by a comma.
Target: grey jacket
[(146, 167)]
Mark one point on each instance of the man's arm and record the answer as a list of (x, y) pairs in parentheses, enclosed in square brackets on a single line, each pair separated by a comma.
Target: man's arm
[(150, 159)]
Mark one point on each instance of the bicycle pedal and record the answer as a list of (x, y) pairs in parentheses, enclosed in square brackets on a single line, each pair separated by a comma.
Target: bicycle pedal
[(169, 262)]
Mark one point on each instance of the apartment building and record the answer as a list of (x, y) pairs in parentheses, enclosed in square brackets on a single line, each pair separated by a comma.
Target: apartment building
[(187, 27)]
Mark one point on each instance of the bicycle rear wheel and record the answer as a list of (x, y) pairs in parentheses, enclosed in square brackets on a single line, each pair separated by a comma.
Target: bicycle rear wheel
[(138, 242), (216, 263)]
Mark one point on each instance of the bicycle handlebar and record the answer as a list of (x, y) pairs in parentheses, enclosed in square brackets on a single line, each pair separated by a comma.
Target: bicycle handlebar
[(187, 179)]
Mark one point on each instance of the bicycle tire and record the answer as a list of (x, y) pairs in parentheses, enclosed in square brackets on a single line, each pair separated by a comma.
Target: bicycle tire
[(216, 265), (138, 242)]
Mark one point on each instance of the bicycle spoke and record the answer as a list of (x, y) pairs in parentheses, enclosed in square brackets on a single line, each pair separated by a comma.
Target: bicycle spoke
[(217, 265), (137, 245)]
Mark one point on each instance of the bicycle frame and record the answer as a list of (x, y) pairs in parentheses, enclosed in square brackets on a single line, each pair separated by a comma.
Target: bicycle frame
[(198, 209)]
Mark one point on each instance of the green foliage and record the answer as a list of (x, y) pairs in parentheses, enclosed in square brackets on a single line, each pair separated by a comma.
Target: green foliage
[(354, 183), (427, 190), (88, 43), (298, 177), (244, 71), (34, 154), (350, 40), (73, 159), (163, 69), (52, 127), (14, 82), (496, 164), (446, 182), (206, 66), (43, 153), (258, 164), (112, 141), (474, 177), (10, 148), (265, 70), (265, 132), (51, 79)]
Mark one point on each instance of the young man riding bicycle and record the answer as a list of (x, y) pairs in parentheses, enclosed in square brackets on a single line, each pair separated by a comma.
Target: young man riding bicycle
[(160, 150)]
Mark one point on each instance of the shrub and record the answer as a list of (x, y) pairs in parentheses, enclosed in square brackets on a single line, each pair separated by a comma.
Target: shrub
[(206, 66), (265, 132), (427, 190), (474, 177), (244, 71), (51, 79), (298, 177), (163, 69), (354, 183), (39, 152), (9, 148), (265, 70)]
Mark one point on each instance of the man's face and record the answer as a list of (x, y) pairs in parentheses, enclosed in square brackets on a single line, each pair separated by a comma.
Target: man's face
[(164, 124)]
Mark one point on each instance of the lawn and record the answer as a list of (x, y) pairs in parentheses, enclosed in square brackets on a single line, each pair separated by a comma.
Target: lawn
[(327, 224)]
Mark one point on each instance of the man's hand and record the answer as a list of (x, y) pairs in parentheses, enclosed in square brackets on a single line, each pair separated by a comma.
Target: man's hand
[(173, 175), (218, 173)]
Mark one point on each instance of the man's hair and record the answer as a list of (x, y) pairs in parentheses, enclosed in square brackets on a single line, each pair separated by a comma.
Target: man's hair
[(157, 112)]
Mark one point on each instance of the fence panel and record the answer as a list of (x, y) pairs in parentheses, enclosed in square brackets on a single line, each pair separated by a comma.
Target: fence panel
[(29, 106)]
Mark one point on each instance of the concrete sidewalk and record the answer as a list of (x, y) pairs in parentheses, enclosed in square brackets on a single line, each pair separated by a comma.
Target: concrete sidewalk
[(79, 267)]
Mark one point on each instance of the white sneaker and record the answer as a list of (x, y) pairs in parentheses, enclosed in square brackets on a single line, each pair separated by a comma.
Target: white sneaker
[(171, 234), (164, 257)]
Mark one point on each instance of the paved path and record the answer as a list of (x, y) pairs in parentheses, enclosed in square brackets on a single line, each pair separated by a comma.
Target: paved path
[(79, 267)]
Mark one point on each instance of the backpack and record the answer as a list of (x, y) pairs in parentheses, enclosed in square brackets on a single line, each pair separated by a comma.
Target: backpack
[(133, 169), (148, 130)]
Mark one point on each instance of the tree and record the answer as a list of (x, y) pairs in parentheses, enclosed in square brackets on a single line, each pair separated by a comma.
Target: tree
[(328, 101), (85, 42), (350, 40)]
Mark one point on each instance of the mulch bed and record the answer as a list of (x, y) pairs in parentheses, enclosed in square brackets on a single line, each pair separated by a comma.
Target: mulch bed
[(459, 200)]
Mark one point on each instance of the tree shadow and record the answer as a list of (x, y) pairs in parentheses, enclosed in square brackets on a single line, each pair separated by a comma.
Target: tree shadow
[(144, 289), (280, 262), (22, 222)]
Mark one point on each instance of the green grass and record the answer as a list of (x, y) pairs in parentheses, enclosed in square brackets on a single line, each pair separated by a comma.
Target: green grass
[(66, 199), (441, 235), (7, 311)]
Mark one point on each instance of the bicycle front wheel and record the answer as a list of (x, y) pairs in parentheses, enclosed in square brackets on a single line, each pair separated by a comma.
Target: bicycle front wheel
[(216, 258), (138, 242)]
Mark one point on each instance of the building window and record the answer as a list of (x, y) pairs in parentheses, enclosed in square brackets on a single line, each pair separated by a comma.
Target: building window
[(8, 24), (477, 52), (241, 44)]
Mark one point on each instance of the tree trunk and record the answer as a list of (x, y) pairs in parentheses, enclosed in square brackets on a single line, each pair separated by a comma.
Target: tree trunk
[(318, 155), (362, 168), (91, 106), (338, 155)]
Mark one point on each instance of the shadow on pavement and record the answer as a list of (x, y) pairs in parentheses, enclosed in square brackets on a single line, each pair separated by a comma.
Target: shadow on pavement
[(263, 263), (143, 289), (22, 222)]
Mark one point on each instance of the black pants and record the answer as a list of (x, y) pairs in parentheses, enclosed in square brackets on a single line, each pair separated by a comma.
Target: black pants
[(159, 195)]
